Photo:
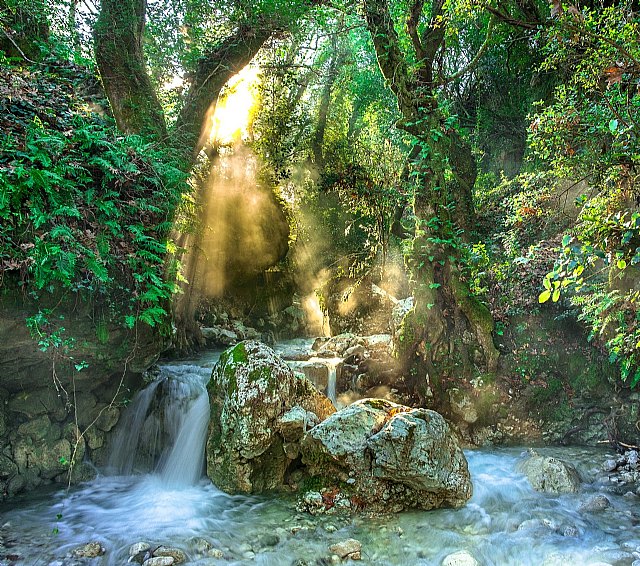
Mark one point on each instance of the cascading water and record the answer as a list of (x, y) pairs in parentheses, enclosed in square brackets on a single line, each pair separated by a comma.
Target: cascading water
[(164, 428)]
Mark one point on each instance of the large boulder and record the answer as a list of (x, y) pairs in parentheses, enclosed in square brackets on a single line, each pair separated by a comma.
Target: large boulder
[(252, 394), (392, 457), (550, 474)]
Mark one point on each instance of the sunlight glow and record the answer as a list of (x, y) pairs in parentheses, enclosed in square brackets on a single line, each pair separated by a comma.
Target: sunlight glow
[(232, 117)]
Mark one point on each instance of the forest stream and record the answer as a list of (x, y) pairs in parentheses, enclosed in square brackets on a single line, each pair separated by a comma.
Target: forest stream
[(506, 522)]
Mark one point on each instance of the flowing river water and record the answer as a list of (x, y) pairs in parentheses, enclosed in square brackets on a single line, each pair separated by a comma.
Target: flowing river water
[(505, 523)]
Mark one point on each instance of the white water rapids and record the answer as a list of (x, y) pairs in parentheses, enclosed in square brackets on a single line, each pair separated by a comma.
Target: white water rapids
[(170, 502)]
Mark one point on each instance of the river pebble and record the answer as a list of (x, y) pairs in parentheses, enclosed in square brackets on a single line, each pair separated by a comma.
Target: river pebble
[(460, 558), (159, 561), (595, 504), (178, 555), (89, 550), (350, 548), (138, 547)]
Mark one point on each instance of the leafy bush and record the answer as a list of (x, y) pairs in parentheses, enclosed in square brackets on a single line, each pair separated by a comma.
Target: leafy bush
[(83, 209), (591, 133)]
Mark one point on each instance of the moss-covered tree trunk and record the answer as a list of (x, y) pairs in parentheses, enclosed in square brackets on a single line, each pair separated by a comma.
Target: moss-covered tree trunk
[(448, 331)]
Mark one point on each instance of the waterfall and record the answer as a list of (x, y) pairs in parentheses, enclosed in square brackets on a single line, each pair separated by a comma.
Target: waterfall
[(184, 462), (163, 430), (125, 444), (331, 381)]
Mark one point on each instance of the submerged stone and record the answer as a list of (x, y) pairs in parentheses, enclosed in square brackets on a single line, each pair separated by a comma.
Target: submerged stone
[(89, 550), (460, 558), (551, 474), (350, 548)]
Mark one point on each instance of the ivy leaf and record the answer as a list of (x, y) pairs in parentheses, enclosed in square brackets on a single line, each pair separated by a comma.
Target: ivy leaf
[(613, 126)]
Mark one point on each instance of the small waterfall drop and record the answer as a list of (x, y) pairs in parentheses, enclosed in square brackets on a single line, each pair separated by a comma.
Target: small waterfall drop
[(332, 367), (163, 430)]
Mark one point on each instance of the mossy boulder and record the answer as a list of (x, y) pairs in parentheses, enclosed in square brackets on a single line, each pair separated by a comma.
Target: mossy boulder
[(550, 474), (392, 457), (250, 391)]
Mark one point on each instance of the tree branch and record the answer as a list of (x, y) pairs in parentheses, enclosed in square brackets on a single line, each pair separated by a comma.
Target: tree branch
[(473, 63), (214, 70), (391, 60), (412, 27)]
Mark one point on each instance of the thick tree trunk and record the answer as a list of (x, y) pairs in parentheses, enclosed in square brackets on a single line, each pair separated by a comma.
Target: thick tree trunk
[(433, 341), (118, 35)]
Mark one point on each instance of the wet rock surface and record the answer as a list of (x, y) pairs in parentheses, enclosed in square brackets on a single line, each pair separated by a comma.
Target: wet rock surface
[(251, 389), (551, 474), (389, 456)]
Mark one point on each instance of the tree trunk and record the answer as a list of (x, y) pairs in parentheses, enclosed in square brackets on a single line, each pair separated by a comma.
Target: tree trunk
[(118, 35), (434, 339)]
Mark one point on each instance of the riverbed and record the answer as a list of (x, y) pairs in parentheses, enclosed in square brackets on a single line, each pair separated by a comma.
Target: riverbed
[(506, 522)]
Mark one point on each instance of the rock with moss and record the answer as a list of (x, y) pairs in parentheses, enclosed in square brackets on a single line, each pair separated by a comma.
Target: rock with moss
[(550, 474), (390, 456), (250, 391)]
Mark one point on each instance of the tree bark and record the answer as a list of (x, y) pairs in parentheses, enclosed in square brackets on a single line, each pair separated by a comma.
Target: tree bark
[(214, 70), (118, 35), (431, 339)]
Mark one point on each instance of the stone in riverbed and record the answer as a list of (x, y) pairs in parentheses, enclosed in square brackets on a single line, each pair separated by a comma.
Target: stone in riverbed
[(550, 474), (250, 391), (350, 548), (178, 556), (89, 550), (159, 561), (595, 504), (394, 457), (460, 558), (138, 547)]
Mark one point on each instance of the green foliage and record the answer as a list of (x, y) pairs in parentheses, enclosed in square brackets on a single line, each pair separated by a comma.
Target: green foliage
[(82, 209), (591, 133)]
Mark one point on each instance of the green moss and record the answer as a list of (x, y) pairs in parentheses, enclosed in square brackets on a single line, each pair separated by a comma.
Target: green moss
[(238, 354)]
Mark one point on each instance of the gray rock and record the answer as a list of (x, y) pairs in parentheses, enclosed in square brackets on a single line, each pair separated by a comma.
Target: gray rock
[(551, 474), (227, 337), (250, 391), (159, 561), (357, 350), (201, 545), (462, 405), (108, 417), (138, 547), (399, 312), (89, 550), (268, 540), (609, 465), (178, 555), (295, 422), (595, 504), (460, 558), (399, 457), (632, 458), (349, 548)]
